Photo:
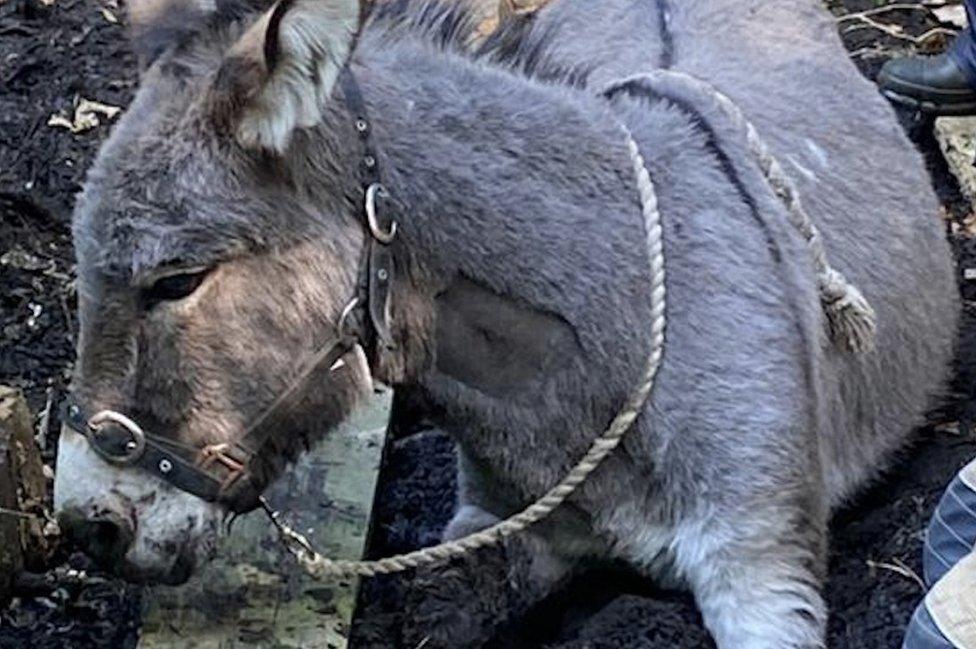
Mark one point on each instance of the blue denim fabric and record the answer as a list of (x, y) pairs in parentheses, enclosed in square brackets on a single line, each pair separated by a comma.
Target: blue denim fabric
[(951, 536), (952, 531), (923, 632), (963, 50)]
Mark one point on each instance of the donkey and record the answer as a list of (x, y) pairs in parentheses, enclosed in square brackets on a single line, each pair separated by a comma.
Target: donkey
[(219, 239)]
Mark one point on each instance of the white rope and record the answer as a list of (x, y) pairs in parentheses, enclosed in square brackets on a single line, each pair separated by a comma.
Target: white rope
[(324, 568), (850, 319)]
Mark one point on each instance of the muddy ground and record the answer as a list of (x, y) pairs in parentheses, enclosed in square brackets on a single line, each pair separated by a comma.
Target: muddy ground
[(53, 56)]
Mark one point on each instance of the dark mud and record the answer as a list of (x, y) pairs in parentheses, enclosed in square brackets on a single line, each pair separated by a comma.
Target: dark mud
[(51, 57)]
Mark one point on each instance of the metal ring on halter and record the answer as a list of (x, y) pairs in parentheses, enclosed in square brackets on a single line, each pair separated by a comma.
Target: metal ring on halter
[(383, 236), (134, 447)]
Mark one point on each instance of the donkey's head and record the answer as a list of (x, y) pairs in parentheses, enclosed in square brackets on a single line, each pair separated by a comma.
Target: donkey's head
[(217, 246)]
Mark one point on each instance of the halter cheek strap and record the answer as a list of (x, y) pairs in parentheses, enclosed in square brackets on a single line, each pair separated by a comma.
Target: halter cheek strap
[(225, 473), (381, 228)]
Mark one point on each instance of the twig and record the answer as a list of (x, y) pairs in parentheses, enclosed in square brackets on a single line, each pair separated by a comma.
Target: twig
[(868, 23), (860, 15), (898, 6), (44, 421), (869, 52), (898, 567), (69, 322), (16, 514), (935, 31)]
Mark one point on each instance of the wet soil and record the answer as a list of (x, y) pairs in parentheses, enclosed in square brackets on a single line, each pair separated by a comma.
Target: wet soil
[(53, 56)]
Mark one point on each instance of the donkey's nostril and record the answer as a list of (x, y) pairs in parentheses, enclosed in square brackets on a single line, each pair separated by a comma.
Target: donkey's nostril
[(104, 537)]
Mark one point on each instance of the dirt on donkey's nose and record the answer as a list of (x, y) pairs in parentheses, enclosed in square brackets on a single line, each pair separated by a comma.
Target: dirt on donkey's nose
[(103, 535)]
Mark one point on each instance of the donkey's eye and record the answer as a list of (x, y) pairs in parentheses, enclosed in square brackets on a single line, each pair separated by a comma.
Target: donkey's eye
[(174, 287)]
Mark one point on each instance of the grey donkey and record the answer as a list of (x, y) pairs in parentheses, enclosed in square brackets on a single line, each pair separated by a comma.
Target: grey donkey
[(219, 236)]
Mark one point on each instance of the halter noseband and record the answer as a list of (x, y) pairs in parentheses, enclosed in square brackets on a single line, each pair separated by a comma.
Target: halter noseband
[(224, 473)]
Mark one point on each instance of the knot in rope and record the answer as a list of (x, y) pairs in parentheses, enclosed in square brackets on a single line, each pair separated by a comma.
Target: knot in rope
[(850, 318), (850, 321)]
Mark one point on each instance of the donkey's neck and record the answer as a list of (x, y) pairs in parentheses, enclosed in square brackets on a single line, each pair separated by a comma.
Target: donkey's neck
[(524, 188), (521, 249)]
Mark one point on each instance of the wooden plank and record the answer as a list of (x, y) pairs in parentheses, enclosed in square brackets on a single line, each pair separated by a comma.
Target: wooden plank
[(23, 492), (253, 593), (11, 552)]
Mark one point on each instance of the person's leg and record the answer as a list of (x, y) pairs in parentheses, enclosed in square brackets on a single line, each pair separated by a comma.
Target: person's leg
[(946, 618), (943, 84), (952, 531)]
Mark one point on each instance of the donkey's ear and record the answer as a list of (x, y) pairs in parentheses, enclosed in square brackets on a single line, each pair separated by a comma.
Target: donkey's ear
[(157, 24), (280, 73)]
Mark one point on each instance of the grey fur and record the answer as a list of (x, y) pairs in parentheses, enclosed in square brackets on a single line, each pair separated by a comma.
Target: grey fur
[(522, 186)]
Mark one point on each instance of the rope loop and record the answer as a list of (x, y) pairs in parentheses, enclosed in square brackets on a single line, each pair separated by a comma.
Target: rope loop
[(321, 567), (850, 320)]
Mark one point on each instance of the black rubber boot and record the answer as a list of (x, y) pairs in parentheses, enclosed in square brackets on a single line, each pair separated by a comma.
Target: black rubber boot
[(931, 84)]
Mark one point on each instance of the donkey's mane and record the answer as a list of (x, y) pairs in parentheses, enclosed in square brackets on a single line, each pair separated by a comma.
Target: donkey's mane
[(524, 47), (448, 26), (518, 44)]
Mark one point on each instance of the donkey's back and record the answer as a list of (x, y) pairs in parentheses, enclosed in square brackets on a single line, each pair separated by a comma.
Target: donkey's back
[(858, 175), (760, 423)]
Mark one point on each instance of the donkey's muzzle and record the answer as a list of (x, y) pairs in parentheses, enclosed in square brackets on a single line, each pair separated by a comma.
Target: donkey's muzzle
[(104, 536)]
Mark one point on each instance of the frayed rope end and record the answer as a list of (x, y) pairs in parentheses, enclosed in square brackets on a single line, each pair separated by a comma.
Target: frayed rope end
[(851, 321)]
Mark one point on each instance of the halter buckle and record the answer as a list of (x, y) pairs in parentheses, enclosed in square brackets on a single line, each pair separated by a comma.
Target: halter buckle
[(134, 447), (217, 454)]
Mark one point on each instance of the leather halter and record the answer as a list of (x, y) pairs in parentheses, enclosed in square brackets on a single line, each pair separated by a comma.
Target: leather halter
[(224, 473)]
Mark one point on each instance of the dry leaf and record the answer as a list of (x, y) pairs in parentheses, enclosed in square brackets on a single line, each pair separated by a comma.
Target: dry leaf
[(489, 13), (967, 227), (109, 16), (952, 15), (85, 117), (486, 27)]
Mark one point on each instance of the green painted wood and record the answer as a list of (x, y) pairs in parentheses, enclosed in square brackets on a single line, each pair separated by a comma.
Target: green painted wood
[(253, 594)]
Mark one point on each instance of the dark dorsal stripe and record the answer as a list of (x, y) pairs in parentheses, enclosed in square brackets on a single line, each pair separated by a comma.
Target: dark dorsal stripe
[(638, 90), (667, 40)]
